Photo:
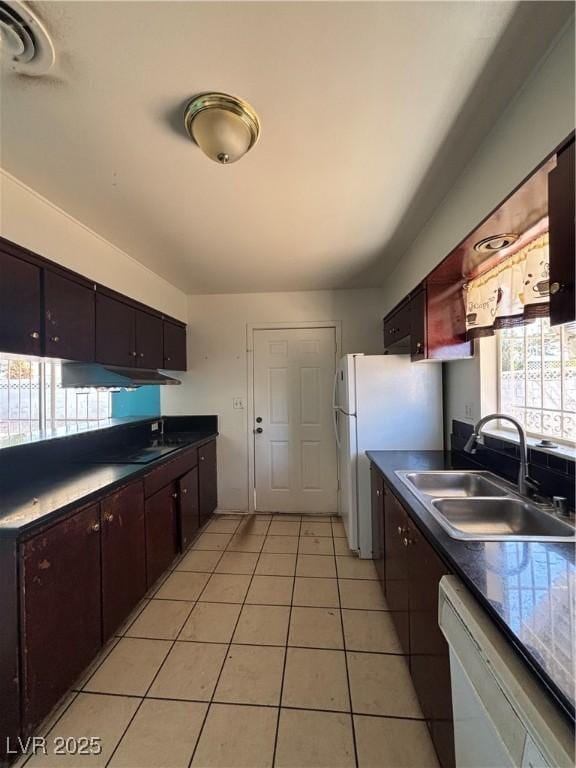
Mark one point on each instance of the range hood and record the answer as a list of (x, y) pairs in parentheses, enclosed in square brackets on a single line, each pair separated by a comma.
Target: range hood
[(110, 376)]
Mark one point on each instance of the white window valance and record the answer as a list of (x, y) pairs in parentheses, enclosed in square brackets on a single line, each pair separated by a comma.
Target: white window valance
[(512, 293)]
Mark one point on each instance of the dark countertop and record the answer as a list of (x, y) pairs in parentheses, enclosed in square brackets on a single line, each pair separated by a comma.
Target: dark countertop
[(526, 587), (47, 495)]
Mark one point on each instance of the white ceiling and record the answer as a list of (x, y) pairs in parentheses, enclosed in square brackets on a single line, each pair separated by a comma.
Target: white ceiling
[(369, 111)]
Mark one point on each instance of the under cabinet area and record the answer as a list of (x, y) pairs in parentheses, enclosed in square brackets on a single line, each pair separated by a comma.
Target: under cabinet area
[(410, 571)]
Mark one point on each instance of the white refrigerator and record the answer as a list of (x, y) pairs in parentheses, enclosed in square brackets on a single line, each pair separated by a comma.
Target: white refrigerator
[(381, 402)]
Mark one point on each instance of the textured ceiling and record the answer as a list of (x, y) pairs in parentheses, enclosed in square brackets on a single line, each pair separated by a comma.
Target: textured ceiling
[(369, 112)]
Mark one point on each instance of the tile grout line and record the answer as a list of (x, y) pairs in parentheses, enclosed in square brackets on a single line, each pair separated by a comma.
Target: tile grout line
[(352, 724), (286, 651), (209, 707), (173, 643)]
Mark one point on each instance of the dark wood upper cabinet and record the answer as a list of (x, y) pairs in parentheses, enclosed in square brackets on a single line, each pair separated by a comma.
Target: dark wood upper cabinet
[(69, 318), (189, 518), (207, 480), (561, 208), (123, 555), (161, 545), (149, 340), (60, 610), (174, 346), (20, 302), (418, 325), (115, 332)]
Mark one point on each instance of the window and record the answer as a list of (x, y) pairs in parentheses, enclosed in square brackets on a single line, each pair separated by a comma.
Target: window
[(31, 398), (537, 378)]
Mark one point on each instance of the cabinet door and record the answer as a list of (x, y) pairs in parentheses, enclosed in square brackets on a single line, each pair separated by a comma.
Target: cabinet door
[(429, 658), (60, 609), (69, 318), (561, 206), (19, 306), (396, 565), (377, 485), (174, 346), (188, 507), (149, 340), (115, 332), (418, 330), (160, 514), (207, 480), (123, 555)]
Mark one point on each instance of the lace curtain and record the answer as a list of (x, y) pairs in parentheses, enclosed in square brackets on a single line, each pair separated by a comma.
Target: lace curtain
[(513, 293)]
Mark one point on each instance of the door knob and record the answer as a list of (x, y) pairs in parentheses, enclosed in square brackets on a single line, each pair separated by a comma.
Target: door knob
[(258, 430), (34, 335), (259, 419)]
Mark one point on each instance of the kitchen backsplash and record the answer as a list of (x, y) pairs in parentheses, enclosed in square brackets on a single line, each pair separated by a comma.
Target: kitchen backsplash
[(554, 473)]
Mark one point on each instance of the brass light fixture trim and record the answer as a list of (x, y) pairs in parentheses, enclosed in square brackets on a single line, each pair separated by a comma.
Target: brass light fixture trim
[(496, 242), (222, 101)]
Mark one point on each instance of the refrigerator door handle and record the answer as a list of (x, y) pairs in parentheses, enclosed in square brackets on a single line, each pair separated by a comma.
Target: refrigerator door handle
[(335, 422), (334, 387)]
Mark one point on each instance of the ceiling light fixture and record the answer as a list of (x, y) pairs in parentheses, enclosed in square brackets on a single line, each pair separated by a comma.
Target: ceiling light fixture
[(495, 243), (223, 126)]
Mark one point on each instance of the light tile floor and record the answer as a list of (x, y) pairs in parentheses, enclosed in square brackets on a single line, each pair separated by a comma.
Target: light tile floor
[(267, 644)]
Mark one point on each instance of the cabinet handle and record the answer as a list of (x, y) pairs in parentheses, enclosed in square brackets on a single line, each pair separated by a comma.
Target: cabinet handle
[(400, 530), (556, 288), (405, 541), (55, 339), (95, 527), (108, 517), (184, 490), (141, 354), (133, 354), (34, 335), (202, 458), (377, 491), (174, 495), (168, 359), (419, 347)]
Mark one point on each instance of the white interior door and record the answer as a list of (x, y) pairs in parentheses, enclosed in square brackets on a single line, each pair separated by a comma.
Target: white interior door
[(295, 453)]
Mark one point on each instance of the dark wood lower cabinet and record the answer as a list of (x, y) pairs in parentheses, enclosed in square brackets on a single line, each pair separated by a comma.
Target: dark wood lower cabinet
[(378, 546), (412, 571), (207, 480), (123, 555), (189, 518), (60, 610), (161, 543)]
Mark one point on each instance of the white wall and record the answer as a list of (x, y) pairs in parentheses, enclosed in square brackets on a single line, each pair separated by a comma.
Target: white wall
[(536, 121), (217, 362), (32, 221)]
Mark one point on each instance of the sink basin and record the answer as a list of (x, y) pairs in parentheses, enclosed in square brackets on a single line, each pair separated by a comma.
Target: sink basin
[(504, 518), (455, 484), (478, 506)]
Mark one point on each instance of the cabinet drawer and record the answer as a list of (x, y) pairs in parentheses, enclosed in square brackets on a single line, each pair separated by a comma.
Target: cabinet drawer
[(170, 471)]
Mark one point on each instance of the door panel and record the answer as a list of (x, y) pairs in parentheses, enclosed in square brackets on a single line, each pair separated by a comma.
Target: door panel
[(160, 514), (396, 566), (174, 347), (20, 328), (149, 340), (378, 490), (207, 480), (61, 630), (70, 318), (123, 555), (295, 453), (189, 511), (115, 332)]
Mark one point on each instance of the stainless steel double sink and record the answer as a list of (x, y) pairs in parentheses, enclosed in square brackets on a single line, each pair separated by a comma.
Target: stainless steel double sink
[(479, 506)]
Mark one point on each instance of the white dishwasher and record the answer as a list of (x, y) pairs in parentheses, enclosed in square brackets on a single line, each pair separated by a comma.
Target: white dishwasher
[(502, 717)]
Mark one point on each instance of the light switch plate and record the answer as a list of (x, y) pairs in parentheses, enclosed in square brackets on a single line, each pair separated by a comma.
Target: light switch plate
[(238, 403)]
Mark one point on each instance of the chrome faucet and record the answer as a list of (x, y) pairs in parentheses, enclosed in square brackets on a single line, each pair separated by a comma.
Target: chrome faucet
[(526, 486)]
